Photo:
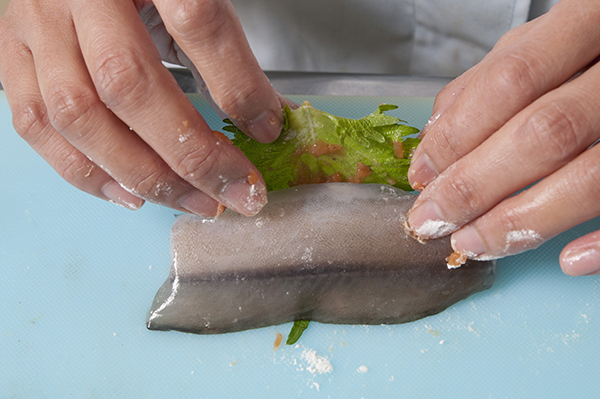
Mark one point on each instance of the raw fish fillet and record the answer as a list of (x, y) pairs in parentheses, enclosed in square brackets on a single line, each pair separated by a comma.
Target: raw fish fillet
[(332, 253)]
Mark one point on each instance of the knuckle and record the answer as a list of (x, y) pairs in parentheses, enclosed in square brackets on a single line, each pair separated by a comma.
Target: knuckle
[(149, 181), (465, 194), (190, 17), (118, 75), (29, 119), (234, 101), (72, 167), (448, 142), (514, 74), (198, 164), (68, 107), (555, 128), (509, 221)]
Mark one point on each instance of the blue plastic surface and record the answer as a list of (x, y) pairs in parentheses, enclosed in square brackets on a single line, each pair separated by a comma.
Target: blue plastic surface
[(78, 276)]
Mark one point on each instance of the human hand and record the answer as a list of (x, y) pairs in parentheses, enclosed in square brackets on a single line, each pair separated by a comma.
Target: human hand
[(88, 92), (528, 114)]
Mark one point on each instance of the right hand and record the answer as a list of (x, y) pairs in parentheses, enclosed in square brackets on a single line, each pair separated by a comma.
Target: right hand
[(88, 92)]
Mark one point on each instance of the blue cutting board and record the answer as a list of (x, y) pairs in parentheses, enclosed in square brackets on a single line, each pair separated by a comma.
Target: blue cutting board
[(78, 276)]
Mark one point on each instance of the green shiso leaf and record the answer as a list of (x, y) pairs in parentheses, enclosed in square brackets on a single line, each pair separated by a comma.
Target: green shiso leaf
[(317, 147), (297, 330)]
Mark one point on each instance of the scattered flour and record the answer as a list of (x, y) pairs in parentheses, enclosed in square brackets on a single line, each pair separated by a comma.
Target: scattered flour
[(308, 254), (362, 369), (316, 364)]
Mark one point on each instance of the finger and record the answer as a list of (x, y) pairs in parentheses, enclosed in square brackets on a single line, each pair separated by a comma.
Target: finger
[(535, 143), (211, 35), (421, 171), (132, 81), (563, 200), (31, 123), (582, 256), (75, 111), (550, 52), (449, 94)]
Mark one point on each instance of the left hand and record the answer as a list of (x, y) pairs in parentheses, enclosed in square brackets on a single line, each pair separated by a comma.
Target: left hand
[(528, 114)]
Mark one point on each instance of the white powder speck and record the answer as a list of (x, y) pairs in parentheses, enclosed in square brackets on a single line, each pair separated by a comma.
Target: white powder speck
[(574, 256), (442, 341), (453, 266), (162, 188), (485, 257), (307, 256), (129, 190), (585, 318), (435, 229), (362, 369), (316, 364), (525, 235)]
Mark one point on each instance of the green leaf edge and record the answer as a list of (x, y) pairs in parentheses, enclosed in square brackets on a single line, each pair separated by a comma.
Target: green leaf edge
[(296, 331)]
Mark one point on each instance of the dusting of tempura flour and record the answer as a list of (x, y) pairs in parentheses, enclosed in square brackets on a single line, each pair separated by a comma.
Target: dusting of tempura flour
[(435, 229), (526, 237), (316, 364), (306, 359)]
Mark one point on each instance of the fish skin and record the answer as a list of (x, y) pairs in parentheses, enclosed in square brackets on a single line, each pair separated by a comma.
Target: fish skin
[(332, 253)]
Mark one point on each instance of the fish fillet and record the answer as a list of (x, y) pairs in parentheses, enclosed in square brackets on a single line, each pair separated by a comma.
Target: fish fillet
[(332, 253)]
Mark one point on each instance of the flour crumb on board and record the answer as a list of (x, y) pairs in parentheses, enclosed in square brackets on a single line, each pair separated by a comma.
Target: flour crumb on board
[(362, 369), (316, 364), (305, 359)]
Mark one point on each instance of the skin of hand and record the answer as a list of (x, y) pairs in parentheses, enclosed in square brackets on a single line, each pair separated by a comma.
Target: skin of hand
[(88, 92), (508, 159)]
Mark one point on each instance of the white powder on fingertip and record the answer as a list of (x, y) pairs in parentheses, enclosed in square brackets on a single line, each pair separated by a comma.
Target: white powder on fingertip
[(524, 235), (573, 256), (435, 229)]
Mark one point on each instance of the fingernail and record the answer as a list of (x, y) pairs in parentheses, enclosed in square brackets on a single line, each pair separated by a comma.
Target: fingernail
[(582, 261), (467, 241), (199, 203), (243, 197), (266, 128), (119, 196), (427, 221), (422, 172)]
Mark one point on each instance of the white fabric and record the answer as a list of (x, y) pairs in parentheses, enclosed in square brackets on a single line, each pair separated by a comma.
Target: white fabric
[(422, 37), (329, 35), (452, 36)]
